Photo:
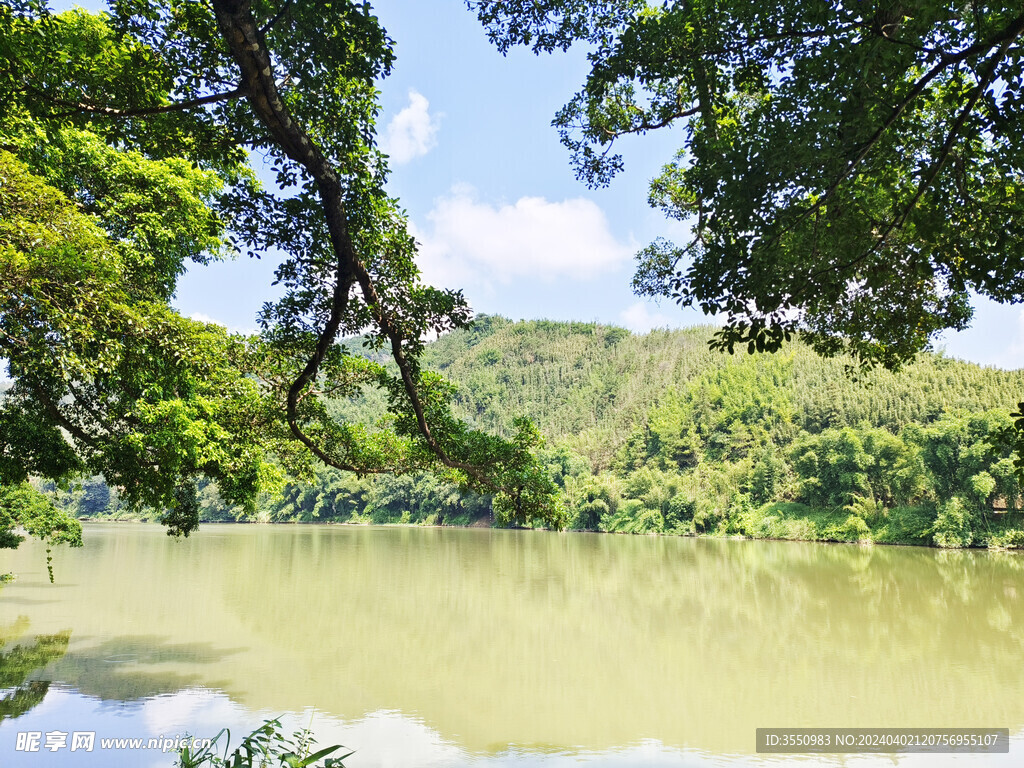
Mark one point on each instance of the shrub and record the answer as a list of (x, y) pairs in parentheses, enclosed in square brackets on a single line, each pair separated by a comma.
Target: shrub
[(954, 524)]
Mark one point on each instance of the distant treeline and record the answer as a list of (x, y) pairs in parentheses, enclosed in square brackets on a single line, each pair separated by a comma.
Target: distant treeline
[(658, 434)]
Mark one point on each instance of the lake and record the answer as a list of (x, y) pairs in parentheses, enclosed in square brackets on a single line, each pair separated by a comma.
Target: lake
[(477, 647)]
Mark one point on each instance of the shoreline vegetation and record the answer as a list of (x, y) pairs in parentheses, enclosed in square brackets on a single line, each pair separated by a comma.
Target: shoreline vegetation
[(485, 524), (657, 434)]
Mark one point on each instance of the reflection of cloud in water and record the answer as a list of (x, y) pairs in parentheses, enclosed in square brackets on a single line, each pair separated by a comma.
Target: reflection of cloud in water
[(184, 711), (384, 739)]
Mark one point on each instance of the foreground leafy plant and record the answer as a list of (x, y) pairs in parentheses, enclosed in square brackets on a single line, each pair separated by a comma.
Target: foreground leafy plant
[(266, 747)]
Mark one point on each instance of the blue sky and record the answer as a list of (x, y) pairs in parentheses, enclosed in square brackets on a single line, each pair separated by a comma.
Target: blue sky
[(495, 205)]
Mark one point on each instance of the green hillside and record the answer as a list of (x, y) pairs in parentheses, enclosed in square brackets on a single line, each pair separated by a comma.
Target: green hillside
[(657, 434), (588, 386)]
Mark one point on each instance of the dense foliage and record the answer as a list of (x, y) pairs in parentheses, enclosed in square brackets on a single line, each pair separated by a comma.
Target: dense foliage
[(125, 142), (851, 169), (107, 377), (658, 434)]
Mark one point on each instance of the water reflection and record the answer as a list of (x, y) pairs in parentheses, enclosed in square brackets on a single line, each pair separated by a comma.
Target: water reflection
[(384, 739), (139, 666), (500, 644), (21, 661)]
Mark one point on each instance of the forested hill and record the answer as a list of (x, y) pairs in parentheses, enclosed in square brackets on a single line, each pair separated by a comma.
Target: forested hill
[(656, 433), (589, 386)]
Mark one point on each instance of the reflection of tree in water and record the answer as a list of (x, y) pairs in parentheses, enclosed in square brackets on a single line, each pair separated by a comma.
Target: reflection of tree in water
[(135, 667), (20, 661)]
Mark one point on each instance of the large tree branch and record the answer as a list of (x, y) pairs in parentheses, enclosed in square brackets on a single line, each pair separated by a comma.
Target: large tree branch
[(1003, 39), (277, 17), (249, 50), (942, 156), (646, 125), (77, 107), (54, 412)]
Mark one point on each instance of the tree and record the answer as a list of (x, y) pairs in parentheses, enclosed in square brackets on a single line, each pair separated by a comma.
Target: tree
[(107, 377), (132, 131), (23, 508), (850, 170), (965, 456)]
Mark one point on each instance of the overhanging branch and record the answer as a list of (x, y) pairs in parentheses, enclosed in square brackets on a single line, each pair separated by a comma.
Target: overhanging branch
[(77, 107), (248, 48)]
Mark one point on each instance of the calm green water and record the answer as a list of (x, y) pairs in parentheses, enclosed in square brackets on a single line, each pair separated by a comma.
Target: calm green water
[(478, 647)]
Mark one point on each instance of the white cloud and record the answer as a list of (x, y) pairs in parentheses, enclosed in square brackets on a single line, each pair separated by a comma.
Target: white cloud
[(201, 317), (412, 132), (639, 318), (473, 241)]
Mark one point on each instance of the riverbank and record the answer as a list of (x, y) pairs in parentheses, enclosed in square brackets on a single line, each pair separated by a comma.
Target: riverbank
[(918, 526)]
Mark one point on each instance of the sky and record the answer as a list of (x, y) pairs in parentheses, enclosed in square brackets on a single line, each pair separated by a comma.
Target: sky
[(493, 201)]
